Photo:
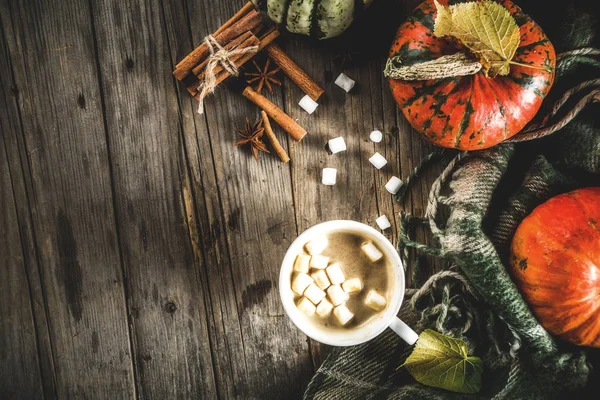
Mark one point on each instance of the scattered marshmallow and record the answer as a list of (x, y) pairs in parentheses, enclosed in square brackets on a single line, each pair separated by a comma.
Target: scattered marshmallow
[(344, 82), (319, 262), (383, 222), (342, 314), (321, 279), (375, 301), (308, 104), (337, 295), (335, 274), (376, 136), (306, 306), (337, 144), (371, 251), (324, 308), (314, 294), (378, 160), (353, 285), (393, 185), (329, 176), (317, 245), (301, 263), (301, 282)]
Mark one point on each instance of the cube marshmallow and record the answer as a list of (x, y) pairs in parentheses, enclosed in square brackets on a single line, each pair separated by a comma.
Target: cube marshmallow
[(301, 282), (383, 222), (324, 308), (393, 185), (306, 306), (329, 176), (337, 295), (353, 285), (319, 261), (375, 301), (371, 251), (321, 279), (301, 263), (317, 245), (337, 144), (378, 160), (314, 294), (376, 136), (342, 314), (335, 274), (308, 104), (344, 82)]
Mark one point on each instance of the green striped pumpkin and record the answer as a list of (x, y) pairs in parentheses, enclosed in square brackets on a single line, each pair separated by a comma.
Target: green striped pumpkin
[(322, 19)]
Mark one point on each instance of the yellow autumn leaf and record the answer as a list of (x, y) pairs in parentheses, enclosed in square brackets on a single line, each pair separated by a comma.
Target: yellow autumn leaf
[(486, 28)]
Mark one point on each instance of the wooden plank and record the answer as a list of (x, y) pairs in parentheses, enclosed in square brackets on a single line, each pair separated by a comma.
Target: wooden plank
[(258, 211), (20, 187), (51, 49), (20, 375), (167, 301), (208, 225)]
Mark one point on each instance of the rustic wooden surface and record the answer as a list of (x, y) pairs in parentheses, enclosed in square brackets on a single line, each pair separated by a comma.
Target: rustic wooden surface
[(139, 249)]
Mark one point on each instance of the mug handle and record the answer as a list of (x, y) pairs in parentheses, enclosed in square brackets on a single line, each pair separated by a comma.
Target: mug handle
[(404, 331)]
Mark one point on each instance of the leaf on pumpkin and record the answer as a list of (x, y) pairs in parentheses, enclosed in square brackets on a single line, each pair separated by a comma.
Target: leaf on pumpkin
[(486, 28), (443, 361)]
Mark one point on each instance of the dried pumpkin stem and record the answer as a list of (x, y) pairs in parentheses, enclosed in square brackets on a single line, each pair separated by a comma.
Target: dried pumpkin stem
[(457, 64)]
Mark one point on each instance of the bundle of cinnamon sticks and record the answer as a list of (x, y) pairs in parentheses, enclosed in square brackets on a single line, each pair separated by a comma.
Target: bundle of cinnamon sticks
[(247, 28), (239, 32)]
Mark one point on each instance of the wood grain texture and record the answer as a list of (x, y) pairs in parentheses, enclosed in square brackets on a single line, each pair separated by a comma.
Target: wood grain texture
[(16, 167), (52, 54), (171, 348), (143, 248), (258, 209), (20, 375)]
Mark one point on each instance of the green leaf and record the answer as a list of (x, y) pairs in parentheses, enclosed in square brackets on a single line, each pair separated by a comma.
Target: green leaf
[(443, 361)]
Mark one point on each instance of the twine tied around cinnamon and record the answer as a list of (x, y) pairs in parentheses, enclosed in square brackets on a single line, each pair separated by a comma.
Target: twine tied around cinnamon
[(218, 55)]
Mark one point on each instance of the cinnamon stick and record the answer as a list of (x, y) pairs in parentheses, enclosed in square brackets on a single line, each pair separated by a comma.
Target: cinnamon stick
[(294, 72), (273, 139), (246, 23), (237, 42), (236, 17), (267, 38), (285, 121), (222, 74)]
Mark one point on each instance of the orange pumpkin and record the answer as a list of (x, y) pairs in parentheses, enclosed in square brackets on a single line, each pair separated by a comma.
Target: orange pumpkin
[(471, 112), (555, 262)]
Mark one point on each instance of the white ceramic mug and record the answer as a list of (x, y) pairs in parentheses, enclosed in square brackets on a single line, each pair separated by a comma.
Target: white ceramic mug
[(367, 331)]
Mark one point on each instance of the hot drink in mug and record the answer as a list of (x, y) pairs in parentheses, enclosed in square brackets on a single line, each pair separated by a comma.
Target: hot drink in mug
[(342, 283)]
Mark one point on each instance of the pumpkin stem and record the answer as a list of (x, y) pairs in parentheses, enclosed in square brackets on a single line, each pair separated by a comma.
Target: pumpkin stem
[(457, 64)]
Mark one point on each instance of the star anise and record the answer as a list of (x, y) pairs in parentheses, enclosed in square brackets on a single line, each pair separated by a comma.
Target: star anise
[(264, 76), (251, 134)]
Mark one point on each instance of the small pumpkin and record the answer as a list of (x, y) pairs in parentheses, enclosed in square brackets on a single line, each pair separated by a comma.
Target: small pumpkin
[(471, 112), (555, 262), (330, 17)]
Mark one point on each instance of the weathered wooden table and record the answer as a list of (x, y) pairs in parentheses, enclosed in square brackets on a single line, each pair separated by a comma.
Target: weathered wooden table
[(139, 250)]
